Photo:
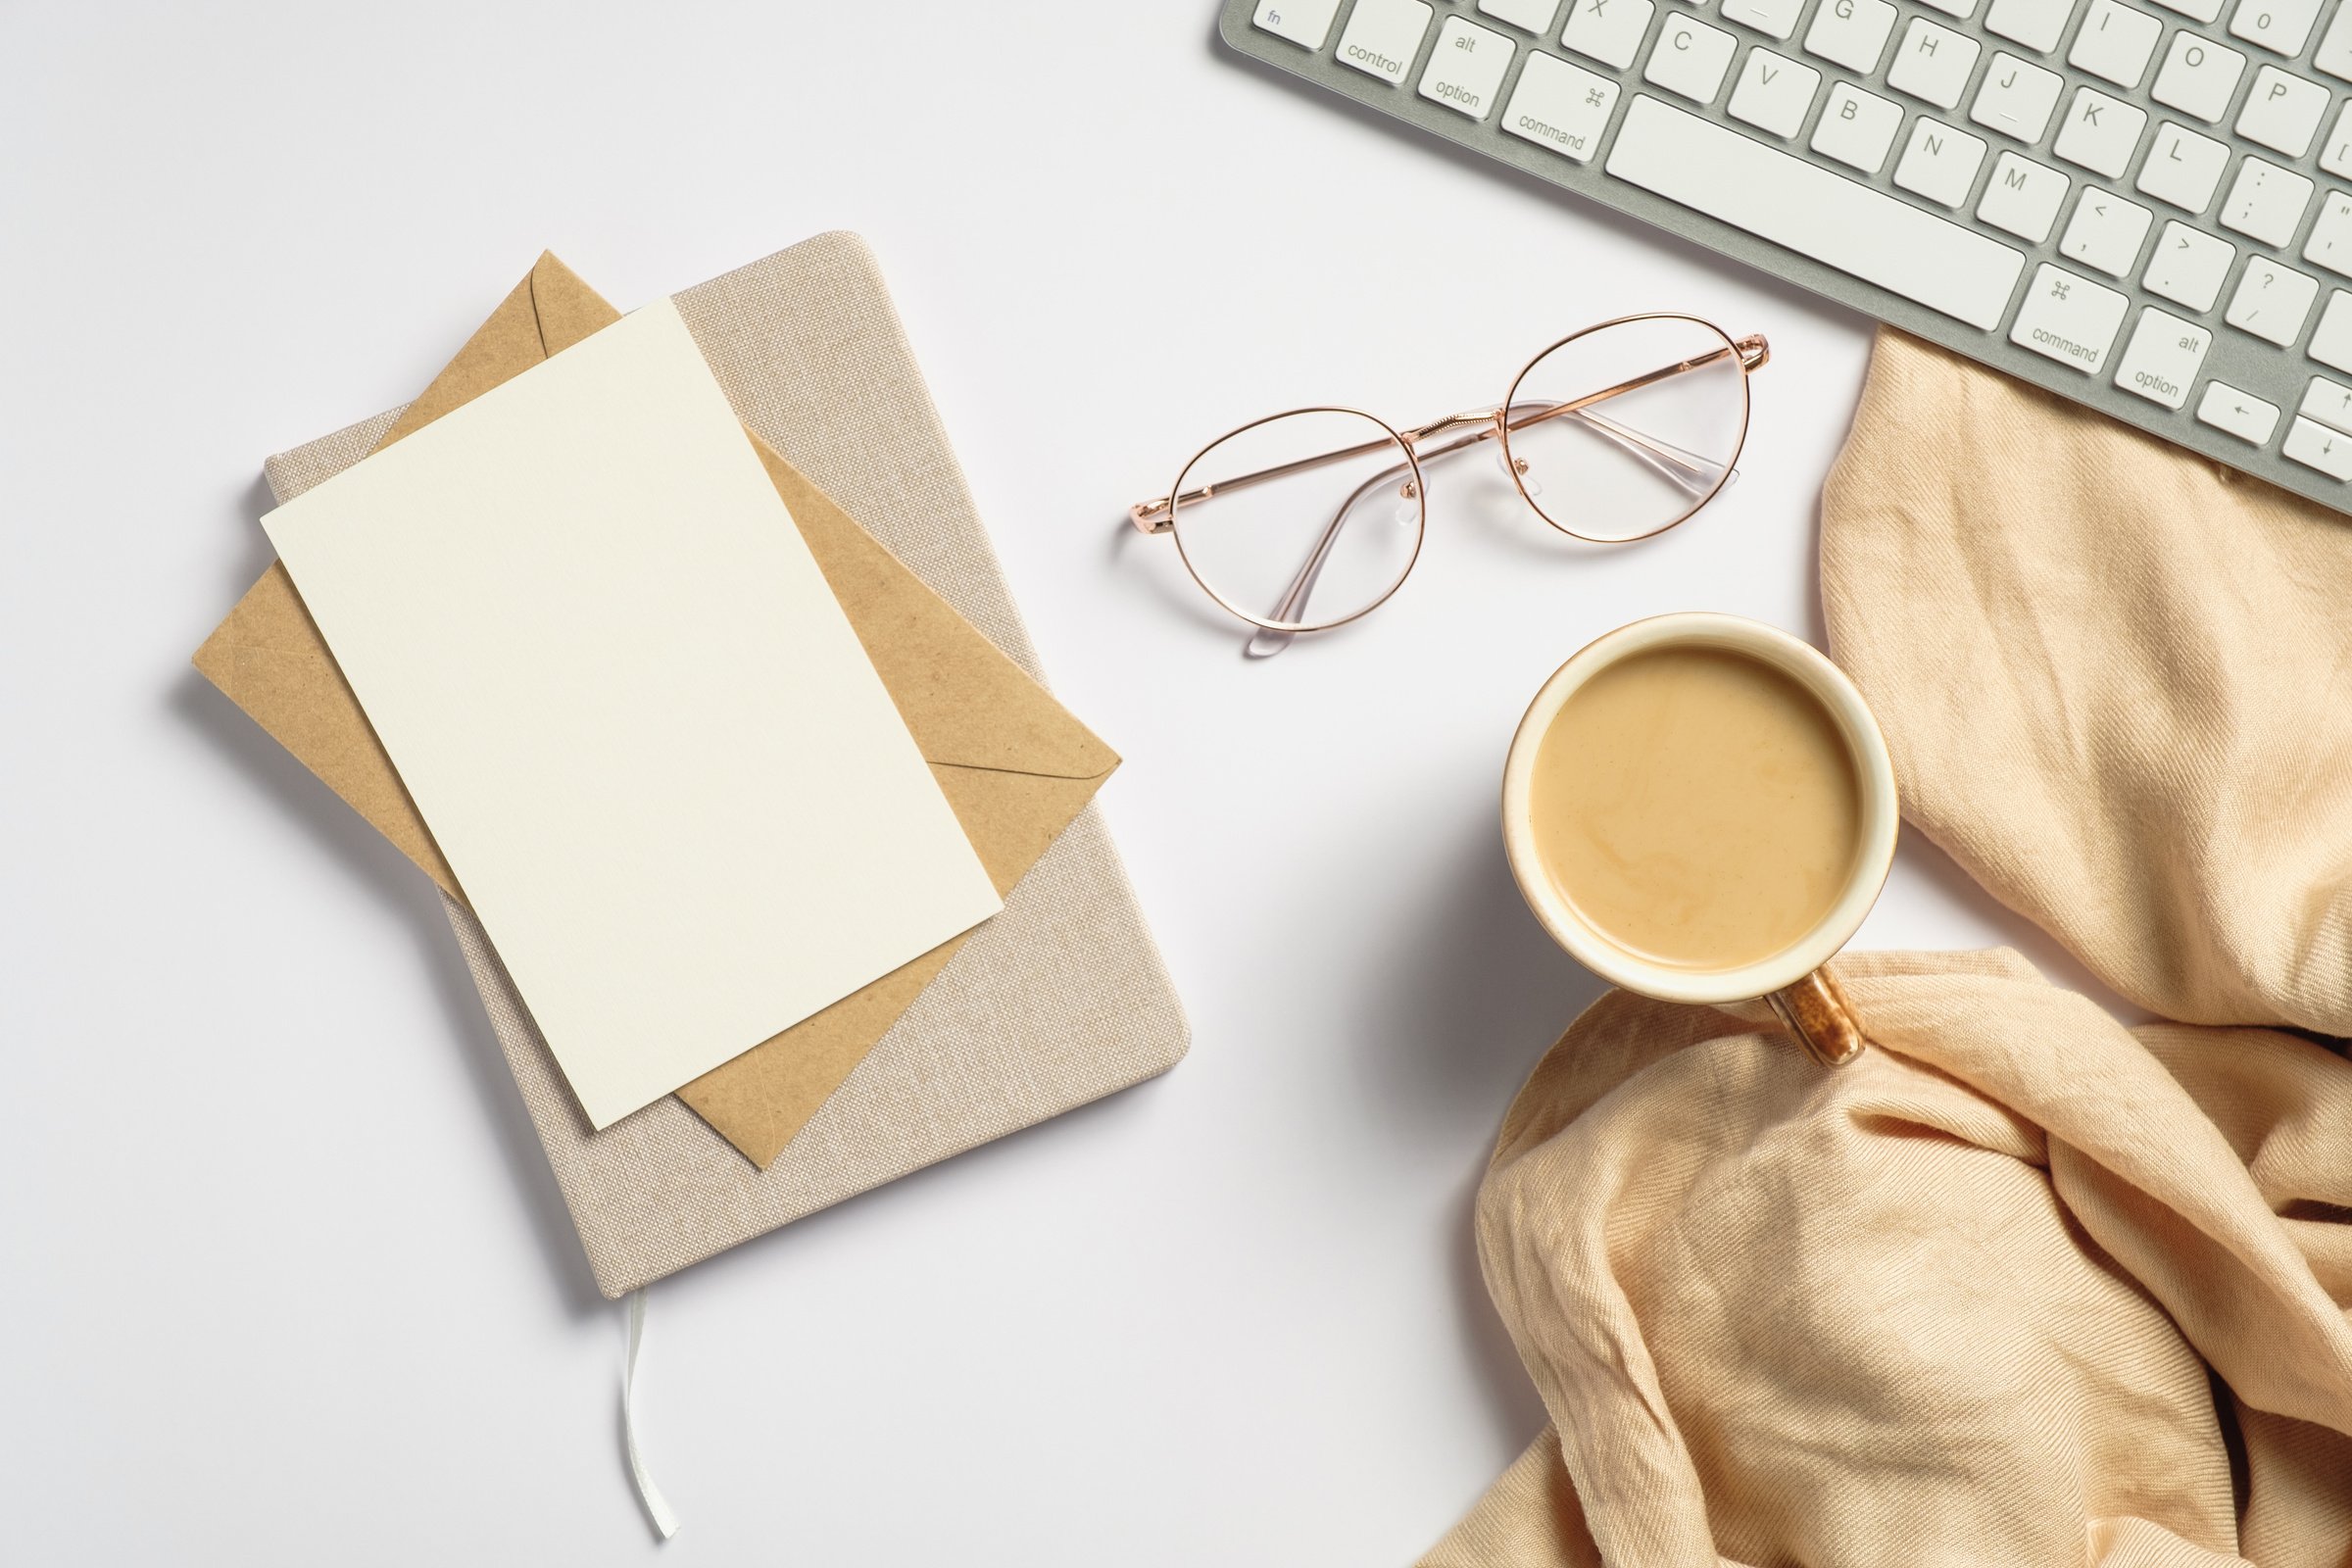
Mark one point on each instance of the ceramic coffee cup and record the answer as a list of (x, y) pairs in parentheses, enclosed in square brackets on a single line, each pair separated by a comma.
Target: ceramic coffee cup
[(1793, 979)]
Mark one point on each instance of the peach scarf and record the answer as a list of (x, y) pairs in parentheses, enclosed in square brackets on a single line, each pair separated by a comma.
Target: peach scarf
[(2024, 1286)]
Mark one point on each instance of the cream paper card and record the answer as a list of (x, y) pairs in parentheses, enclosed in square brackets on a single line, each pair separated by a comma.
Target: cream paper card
[(641, 729)]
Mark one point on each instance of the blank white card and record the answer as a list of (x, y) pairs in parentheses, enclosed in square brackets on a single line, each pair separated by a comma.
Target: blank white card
[(635, 719)]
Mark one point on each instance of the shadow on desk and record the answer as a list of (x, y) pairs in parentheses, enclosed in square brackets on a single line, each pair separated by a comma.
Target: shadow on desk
[(1458, 1017), (344, 837)]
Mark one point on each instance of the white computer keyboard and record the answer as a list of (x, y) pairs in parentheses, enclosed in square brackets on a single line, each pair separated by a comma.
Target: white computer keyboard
[(2146, 205)]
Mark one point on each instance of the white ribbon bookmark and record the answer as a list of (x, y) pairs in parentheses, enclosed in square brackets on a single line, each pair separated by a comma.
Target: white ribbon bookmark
[(656, 1506)]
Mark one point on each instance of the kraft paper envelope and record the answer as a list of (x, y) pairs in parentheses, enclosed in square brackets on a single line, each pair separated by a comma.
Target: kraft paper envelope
[(1013, 762)]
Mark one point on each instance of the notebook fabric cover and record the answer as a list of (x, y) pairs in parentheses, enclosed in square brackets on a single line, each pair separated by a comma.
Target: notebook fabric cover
[(1058, 1000)]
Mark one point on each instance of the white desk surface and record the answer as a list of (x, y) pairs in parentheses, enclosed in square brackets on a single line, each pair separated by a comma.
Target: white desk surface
[(287, 1279)]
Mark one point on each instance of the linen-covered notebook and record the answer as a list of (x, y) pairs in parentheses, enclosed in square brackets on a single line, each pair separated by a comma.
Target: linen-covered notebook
[(1058, 1000)]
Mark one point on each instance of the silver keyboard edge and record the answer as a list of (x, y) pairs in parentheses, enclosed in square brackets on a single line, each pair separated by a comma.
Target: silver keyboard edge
[(2232, 348)]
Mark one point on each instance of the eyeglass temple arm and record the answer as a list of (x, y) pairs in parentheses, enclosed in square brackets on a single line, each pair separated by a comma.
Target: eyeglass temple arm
[(1159, 516), (1752, 352), (1303, 586), (1270, 640), (1676, 464), (1695, 473)]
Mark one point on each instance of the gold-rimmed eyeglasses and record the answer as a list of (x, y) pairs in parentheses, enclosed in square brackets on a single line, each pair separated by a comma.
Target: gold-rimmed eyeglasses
[(1308, 519)]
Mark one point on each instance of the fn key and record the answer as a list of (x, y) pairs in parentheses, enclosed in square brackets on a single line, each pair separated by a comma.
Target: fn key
[(1303, 21)]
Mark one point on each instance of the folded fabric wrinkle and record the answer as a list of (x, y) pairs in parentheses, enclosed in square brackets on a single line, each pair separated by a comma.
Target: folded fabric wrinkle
[(2113, 675), (1956, 1302)]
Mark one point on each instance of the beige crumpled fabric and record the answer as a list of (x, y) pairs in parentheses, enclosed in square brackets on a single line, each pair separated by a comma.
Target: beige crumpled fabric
[(1954, 1304), (2116, 680), (2021, 1287)]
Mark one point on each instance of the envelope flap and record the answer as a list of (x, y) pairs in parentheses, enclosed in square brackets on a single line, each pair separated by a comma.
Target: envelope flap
[(266, 655), (968, 704), (547, 313), (269, 658)]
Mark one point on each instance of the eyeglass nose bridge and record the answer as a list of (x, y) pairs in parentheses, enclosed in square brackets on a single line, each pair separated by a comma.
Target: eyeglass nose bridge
[(1414, 438)]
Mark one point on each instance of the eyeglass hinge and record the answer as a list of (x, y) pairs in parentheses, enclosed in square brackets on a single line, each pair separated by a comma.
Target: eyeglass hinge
[(1755, 352), (1151, 516)]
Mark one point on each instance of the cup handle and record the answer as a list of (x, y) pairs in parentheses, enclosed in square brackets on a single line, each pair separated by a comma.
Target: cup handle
[(1816, 1011)]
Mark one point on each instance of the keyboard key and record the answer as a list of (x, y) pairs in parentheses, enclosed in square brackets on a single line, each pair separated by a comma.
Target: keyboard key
[(2188, 265), (2272, 302), (1608, 30), (2336, 154), (1850, 33), (1303, 21), (1939, 163), (2239, 414), (1466, 68), (2336, 48), (2166, 173), (2331, 242), (1383, 36), (2315, 446), (1857, 128), (1933, 63), (2199, 77), (1536, 16), (2016, 98), (2105, 232), (1560, 106), (2280, 24), (1796, 203), (1774, 94), (2162, 358), (2184, 168), (1775, 18), (2329, 403), (2022, 198), (2116, 43), (2266, 202), (2282, 111), (2036, 23), (1690, 58), (2100, 134), (2068, 319)]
